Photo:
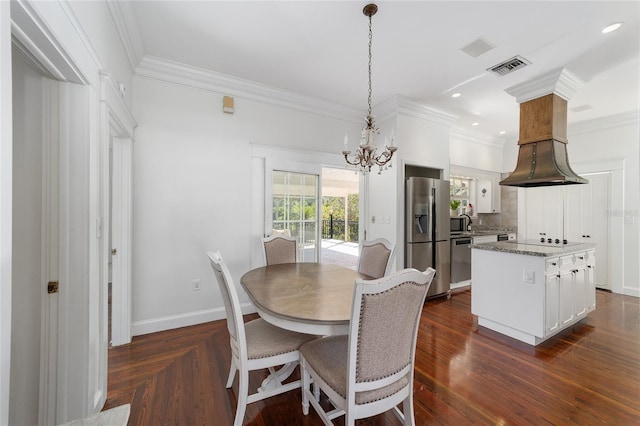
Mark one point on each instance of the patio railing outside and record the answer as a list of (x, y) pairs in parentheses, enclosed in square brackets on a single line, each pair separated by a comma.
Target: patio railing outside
[(334, 229)]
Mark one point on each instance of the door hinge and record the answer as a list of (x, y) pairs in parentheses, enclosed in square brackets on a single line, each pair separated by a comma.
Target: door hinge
[(52, 287)]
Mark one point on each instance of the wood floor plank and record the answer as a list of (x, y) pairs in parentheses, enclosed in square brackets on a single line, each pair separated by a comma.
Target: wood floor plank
[(465, 374)]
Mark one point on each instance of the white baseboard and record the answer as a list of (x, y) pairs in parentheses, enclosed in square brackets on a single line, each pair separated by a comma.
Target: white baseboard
[(631, 291), (460, 284), (183, 320)]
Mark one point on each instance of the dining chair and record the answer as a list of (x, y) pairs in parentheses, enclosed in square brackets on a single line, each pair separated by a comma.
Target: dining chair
[(279, 249), (255, 345), (376, 257), (370, 371)]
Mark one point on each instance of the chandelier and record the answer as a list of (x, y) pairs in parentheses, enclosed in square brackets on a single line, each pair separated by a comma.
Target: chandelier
[(366, 156)]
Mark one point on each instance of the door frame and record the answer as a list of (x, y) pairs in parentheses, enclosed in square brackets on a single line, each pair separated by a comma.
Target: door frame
[(117, 128)]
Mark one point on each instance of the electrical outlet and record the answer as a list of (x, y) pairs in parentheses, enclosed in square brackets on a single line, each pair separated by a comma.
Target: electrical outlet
[(196, 284), (528, 276)]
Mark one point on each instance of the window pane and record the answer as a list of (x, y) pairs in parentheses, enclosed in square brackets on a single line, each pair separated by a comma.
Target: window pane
[(309, 209), (294, 208), (278, 208)]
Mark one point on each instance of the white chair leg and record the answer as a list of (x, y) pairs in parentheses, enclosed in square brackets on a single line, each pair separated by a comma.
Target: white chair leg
[(232, 374), (306, 379), (407, 408), (349, 420), (243, 394)]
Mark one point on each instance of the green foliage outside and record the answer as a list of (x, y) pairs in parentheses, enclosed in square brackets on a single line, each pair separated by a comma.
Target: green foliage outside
[(335, 206)]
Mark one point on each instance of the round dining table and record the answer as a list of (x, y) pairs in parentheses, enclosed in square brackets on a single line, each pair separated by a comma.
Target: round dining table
[(313, 298)]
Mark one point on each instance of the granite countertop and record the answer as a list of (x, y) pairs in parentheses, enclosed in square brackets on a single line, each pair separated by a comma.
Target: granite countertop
[(516, 247)]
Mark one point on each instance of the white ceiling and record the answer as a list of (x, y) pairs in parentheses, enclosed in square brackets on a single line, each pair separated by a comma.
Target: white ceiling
[(319, 48)]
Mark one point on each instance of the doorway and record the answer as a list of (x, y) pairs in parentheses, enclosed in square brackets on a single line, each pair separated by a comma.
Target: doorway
[(340, 217)]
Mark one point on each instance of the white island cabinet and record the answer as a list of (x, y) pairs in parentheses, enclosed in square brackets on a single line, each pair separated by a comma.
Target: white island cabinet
[(531, 292)]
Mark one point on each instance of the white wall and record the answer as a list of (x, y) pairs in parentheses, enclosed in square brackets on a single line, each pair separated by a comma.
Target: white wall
[(469, 149), (198, 183), (193, 183), (97, 22)]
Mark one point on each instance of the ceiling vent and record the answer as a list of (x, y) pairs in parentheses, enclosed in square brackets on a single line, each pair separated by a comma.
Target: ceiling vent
[(509, 66), (477, 48)]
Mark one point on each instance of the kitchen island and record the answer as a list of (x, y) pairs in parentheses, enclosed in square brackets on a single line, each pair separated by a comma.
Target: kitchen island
[(532, 291)]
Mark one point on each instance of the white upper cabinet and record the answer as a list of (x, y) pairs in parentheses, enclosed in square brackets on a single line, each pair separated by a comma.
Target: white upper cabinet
[(488, 194)]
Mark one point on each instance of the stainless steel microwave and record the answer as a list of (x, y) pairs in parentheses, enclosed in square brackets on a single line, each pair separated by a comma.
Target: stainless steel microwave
[(457, 224)]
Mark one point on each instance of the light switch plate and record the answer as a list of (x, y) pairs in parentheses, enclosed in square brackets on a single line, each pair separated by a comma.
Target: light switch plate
[(528, 276)]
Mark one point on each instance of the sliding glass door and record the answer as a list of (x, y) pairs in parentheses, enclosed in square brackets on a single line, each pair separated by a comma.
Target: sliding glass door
[(292, 207)]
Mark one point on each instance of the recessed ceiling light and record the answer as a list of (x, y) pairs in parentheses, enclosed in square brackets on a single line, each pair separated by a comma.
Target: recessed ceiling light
[(475, 124), (502, 132), (456, 95), (611, 28)]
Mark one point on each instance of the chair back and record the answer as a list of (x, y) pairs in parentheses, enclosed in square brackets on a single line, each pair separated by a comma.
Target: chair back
[(384, 327), (279, 249), (376, 257), (235, 323)]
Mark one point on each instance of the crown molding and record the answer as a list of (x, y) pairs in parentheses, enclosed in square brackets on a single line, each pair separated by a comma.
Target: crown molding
[(126, 26), (476, 137), (399, 104), (194, 77), (560, 81), (604, 123)]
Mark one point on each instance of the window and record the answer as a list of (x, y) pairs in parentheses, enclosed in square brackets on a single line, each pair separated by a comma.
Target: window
[(460, 190), (294, 207)]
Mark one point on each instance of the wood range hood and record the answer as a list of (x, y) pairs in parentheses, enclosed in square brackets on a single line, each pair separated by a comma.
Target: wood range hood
[(542, 156)]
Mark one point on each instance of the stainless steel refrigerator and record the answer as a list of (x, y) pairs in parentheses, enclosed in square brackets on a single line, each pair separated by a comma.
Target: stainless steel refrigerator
[(427, 232)]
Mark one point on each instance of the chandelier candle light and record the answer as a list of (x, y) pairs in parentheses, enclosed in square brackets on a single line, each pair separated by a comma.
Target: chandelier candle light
[(366, 156)]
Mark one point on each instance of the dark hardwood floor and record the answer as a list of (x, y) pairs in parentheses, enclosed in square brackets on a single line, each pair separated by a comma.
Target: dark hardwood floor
[(587, 375)]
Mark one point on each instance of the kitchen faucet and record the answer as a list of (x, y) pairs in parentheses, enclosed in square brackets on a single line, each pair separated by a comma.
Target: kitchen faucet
[(468, 223)]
